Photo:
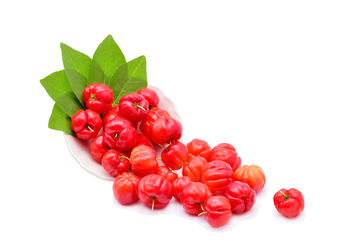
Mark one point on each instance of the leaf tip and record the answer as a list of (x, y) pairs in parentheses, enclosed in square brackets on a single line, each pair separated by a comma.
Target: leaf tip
[(63, 45)]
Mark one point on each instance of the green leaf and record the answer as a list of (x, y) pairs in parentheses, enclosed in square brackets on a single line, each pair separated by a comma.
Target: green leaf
[(96, 74), (56, 84), (128, 78), (77, 82), (137, 68), (109, 56), (121, 83), (75, 60), (131, 85), (119, 77), (60, 121), (69, 104)]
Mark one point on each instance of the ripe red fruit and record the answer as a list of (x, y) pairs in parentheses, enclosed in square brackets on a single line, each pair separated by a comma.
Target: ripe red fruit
[(241, 196), (98, 148), (194, 196), (86, 124), (194, 168), (165, 130), (120, 134), (143, 140), (133, 107), (115, 162), (98, 97), (155, 191), (111, 114), (143, 160), (178, 186), (166, 173), (289, 203), (125, 188), (226, 152), (253, 175), (175, 155), (217, 211), (198, 147), (150, 95), (146, 125), (217, 176)]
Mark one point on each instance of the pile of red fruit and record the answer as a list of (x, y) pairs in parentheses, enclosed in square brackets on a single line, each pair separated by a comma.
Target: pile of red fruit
[(213, 182)]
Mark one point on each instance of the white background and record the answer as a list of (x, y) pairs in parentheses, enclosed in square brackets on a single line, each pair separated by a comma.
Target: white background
[(270, 77)]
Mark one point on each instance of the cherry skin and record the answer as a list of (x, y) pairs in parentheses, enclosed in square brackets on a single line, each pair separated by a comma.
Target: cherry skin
[(253, 175), (115, 163), (198, 147), (150, 95), (175, 155), (133, 107), (179, 184), (194, 168), (166, 173), (125, 188), (86, 124), (217, 176), (98, 97), (155, 191), (241, 196), (289, 203), (218, 211), (98, 148), (194, 196), (143, 160)]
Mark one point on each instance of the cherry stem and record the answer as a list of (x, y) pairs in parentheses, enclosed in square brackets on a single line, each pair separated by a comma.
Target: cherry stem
[(164, 148), (205, 212), (153, 199), (285, 196), (140, 107), (116, 135), (88, 126), (121, 158), (201, 204)]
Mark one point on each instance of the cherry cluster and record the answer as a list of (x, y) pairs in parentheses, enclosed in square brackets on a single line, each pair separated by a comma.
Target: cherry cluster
[(122, 138)]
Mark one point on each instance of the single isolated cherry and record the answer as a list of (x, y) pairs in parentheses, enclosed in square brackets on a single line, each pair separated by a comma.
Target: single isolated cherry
[(115, 162), (155, 191), (289, 203), (86, 124), (133, 107), (98, 97), (150, 95), (125, 188)]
